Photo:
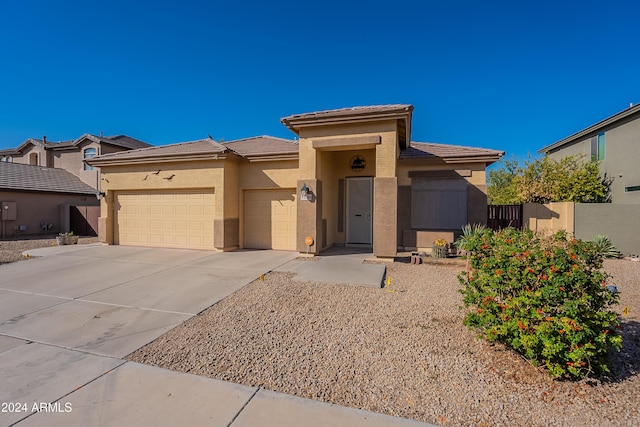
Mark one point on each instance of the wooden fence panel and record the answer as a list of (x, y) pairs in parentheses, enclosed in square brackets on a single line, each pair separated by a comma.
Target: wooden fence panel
[(503, 216), (84, 220)]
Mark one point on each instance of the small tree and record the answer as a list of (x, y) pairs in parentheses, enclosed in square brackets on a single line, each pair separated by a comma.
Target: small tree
[(544, 180), (502, 184)]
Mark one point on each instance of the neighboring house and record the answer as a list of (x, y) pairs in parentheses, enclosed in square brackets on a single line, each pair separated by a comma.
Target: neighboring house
[(353, 178), (70, 155), (615, 143), (38, 200)]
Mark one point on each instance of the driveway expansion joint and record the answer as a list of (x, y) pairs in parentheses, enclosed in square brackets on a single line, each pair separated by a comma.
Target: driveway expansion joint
[(243, 406)]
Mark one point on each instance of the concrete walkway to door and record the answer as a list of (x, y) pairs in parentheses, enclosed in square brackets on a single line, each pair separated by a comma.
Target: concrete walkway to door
[(67, 319), (338, 265)]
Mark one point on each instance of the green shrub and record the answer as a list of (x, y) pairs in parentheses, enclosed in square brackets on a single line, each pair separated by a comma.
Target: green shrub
[(545, 299)]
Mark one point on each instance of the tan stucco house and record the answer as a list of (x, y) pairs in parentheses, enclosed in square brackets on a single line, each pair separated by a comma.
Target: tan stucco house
[(352, 177)]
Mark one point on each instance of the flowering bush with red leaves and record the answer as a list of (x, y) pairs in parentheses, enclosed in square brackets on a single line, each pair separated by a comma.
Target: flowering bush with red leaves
[(545, 298)]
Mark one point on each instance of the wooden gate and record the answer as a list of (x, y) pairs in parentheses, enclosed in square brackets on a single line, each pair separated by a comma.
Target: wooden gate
[(503, 216), (84, 220)]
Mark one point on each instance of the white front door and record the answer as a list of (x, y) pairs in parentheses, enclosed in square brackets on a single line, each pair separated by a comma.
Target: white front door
[(360, 211)]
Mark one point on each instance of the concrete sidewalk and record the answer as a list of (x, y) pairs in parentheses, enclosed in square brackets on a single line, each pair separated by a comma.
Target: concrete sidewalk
[(110, 391), (338, 265), (68, 319)]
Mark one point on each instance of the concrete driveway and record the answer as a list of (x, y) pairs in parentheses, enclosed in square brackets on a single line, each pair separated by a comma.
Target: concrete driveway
[(68, 318)]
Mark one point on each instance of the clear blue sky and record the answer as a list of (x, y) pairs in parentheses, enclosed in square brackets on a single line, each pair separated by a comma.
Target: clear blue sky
[(508, 75)]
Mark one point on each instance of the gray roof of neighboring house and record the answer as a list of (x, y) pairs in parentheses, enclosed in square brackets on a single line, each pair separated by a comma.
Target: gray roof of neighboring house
[(123, 141), (421, 150), (262, 146), (609, 121), (205, 146), (14, 176)]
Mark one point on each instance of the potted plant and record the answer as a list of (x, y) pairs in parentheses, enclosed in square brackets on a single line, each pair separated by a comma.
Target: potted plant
[(66, 239), (440, 249)]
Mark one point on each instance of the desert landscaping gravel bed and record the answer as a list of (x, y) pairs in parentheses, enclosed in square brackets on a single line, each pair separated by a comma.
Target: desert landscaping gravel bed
[(400, 351), (11, 250)]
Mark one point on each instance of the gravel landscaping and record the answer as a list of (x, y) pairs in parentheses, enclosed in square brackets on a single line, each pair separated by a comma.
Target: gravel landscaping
[(400, 351), (11, 250)]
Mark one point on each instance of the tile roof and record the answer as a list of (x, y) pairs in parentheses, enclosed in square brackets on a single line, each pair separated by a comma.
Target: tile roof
[(353, 111), (9, 152), (201, 146), (444, 151), (59, 144), (123, 141), (15, 176), (262, 146)]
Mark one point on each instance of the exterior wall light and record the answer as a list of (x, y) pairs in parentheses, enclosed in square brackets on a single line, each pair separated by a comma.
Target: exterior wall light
[(306, 193), (100, 194)]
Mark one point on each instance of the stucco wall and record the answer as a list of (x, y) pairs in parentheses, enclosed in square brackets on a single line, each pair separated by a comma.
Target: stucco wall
[(385, 150), (617, 221), (473, 173), (586, 220), (34, 208), (184, 175), (335, 170), (547, 219), (72, 160), (25, 157), (268, 174), (325, 167)]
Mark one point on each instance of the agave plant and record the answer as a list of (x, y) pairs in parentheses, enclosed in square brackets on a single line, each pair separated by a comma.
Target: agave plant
[(605, 247), (468, 231)]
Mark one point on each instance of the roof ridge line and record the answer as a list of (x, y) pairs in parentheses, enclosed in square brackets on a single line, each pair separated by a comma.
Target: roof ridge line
[(256, 137), (453, 145)]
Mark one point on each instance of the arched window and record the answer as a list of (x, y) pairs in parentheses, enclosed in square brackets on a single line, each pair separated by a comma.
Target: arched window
[(88, 154), (33, 159)]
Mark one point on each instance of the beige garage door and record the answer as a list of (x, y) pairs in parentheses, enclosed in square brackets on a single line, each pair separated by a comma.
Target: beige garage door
[(270, 219), (169, 219)]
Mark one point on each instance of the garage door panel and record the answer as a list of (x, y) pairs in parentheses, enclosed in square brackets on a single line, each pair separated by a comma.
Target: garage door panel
[(180, 219), (270, 219)]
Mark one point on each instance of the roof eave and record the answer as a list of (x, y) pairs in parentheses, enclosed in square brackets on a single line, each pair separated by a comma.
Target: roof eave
[(272, 157), (488, 159), (591, 129), (27, 190), (100, 162), (296, 123)]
